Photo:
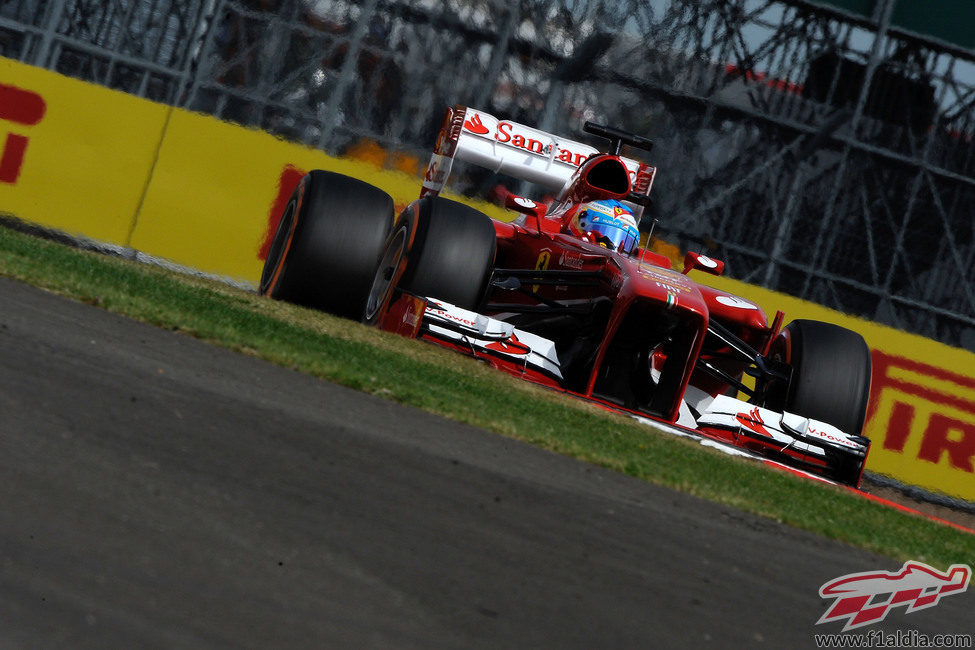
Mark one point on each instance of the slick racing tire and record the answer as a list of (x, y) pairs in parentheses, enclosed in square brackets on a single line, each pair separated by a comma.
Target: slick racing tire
[(448, 249), (830, 373), (327, 245)]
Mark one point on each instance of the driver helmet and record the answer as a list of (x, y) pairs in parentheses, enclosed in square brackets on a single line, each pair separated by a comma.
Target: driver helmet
[(611, 223)]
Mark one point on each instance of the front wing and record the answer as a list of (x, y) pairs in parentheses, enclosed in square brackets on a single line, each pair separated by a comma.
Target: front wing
[(797, 441)]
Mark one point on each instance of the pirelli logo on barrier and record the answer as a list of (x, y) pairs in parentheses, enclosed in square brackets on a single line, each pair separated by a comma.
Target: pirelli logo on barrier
[(19, 108), (922, 424)]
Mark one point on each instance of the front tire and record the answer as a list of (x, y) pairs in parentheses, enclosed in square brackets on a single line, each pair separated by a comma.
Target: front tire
[(437, 249), (830, 373), (328, 243), (831, 370), (453, 253)]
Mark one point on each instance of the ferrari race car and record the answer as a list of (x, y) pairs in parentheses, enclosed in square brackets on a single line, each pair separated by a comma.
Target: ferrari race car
[(565, 296)]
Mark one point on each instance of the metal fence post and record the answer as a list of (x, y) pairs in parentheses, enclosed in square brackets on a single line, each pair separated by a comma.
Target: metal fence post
[(347, 72), (212, 25), (54, 15), (885, 9)]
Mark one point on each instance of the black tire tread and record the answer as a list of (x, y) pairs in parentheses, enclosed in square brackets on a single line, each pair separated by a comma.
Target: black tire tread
[(341, 230), (831, 380), (453, 253)]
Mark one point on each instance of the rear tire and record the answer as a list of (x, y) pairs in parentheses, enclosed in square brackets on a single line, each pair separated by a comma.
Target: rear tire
[(327, 245)]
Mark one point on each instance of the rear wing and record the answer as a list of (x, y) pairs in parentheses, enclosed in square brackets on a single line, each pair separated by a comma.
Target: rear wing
[(520, 151)]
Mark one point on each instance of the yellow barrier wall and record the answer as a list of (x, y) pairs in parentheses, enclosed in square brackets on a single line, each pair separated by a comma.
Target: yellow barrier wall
[(76, 157), (203, 193), (214, 186)]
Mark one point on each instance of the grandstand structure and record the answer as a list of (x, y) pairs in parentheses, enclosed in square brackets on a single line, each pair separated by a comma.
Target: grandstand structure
[(823, 149)]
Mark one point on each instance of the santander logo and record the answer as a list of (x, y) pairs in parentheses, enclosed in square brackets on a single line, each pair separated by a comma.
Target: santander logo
[(753, 420), (525, 138), (510, 345), (474, 125)]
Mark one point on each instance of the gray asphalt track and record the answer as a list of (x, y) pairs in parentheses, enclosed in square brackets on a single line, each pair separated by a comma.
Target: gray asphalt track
[(161, 492)]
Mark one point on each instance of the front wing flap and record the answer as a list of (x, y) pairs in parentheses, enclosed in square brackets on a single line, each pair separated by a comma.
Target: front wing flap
[(787, 430), (488, 337)]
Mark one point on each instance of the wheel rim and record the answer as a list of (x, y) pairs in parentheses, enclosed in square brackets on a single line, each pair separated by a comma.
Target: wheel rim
[(275, 253), (385, 274)]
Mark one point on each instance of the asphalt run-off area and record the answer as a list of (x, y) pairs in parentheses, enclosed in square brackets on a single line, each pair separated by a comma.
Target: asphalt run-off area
[(162, 492)]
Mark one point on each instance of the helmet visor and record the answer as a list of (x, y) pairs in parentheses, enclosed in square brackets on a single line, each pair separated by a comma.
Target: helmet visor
[(614, 233)]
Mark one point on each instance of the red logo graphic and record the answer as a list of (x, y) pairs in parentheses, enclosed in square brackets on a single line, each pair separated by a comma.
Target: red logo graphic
[(920, 392), (22, 107), (474, 125), (866, 598), (510, 345), (753, 420)]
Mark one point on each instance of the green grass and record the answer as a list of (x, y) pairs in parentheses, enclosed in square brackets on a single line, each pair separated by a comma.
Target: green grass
[(458, 388)]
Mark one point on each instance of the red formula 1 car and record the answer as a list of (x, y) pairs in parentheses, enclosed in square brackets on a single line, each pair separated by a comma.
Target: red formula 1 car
[(564, 296)]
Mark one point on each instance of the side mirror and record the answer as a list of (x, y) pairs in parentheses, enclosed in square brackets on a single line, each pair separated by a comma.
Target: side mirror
[(528, 207), (703, 263)]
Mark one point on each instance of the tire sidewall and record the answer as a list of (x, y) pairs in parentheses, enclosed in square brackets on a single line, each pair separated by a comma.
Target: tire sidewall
[(329, 259), (831, 373), (451, 253), (273, 276)]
